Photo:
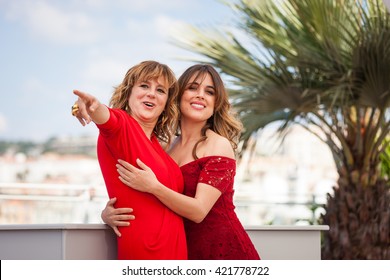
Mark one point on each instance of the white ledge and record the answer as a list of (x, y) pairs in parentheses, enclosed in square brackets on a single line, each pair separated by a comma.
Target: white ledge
[(52, 226), (98, 241), (278, 227), (104, 226)]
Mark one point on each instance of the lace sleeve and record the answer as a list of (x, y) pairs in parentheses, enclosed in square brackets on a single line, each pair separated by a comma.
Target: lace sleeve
[(218, 172)]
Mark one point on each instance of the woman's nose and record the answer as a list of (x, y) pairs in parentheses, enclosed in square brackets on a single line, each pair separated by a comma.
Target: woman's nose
[(200, 93), (152, 92)]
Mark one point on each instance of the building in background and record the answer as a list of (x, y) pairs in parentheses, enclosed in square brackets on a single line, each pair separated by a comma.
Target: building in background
[(285, 183), (278, 184)]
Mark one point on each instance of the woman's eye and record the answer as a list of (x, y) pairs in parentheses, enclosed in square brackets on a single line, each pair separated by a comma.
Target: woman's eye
[(161, 91)]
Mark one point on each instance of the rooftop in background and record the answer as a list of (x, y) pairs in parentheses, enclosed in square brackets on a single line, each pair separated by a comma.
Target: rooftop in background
[(275, 186)]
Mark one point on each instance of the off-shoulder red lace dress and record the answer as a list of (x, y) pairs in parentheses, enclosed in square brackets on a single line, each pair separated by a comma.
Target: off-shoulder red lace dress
[(220, 236)]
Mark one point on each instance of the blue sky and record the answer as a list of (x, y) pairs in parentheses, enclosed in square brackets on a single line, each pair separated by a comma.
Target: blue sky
[(50, 47)]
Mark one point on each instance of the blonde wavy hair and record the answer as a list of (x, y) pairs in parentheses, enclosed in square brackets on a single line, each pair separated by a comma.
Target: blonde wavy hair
[(149, 70), (223, 121)]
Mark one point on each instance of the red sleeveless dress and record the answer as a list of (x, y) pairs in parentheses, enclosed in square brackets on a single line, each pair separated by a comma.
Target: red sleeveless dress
[(157, 233), (220, 236)]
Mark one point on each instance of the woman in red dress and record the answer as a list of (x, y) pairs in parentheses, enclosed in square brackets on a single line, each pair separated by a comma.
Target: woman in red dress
[(204, 150), (142, 113)]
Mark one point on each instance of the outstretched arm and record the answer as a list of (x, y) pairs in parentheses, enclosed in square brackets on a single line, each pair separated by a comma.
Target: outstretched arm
[(90, 109), (194, 209), (116, 217)]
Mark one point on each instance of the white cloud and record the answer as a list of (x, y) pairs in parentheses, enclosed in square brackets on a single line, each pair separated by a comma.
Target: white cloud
[(87, 45), (32, 90), (153, 5), (104, 70), (101, 74), (33, 85), (167, 26), (52, 23)]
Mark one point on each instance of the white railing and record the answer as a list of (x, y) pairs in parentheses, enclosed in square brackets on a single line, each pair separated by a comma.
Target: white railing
[(24, 203)]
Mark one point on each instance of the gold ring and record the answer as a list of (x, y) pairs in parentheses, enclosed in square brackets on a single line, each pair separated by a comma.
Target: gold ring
[(75, 109)]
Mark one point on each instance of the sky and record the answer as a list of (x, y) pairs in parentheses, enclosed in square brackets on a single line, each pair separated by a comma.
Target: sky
[(50, 47)]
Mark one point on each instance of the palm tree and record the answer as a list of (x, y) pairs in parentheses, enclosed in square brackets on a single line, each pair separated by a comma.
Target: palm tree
[(324, 65)]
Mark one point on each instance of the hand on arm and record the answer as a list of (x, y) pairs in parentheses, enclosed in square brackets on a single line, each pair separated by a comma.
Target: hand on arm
[(143, 179), (90, 109), (116, 217)]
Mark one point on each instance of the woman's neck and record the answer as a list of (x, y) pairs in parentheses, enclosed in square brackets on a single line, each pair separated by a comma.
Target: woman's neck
[(147, 127), (191, 131)]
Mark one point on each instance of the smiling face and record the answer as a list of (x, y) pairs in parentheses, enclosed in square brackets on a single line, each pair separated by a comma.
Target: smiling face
[(148, 99), (198, 99)]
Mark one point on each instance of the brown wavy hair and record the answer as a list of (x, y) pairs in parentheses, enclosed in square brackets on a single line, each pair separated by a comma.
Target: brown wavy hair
[(149, 70), (224, 120)]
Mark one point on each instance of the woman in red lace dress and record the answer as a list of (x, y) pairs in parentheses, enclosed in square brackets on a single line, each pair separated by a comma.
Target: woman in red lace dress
[(204, 150)]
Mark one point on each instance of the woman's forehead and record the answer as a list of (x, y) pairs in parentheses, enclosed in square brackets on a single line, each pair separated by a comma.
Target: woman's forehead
[(200, 77), (161, 79)]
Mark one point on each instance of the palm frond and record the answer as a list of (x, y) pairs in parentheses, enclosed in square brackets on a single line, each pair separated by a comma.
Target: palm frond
[(302, 59)]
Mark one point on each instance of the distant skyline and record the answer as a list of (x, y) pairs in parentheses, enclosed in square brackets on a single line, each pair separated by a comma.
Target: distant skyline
[(50, 47)]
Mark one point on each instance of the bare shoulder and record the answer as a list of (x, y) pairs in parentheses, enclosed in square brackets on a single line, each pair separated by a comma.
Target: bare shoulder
[(218, 145)]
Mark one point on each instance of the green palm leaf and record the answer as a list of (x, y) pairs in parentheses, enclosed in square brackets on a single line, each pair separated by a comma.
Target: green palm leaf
[(324, 65)]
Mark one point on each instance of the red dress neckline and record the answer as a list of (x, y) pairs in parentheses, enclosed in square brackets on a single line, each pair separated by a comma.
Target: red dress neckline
[(205, 158)]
